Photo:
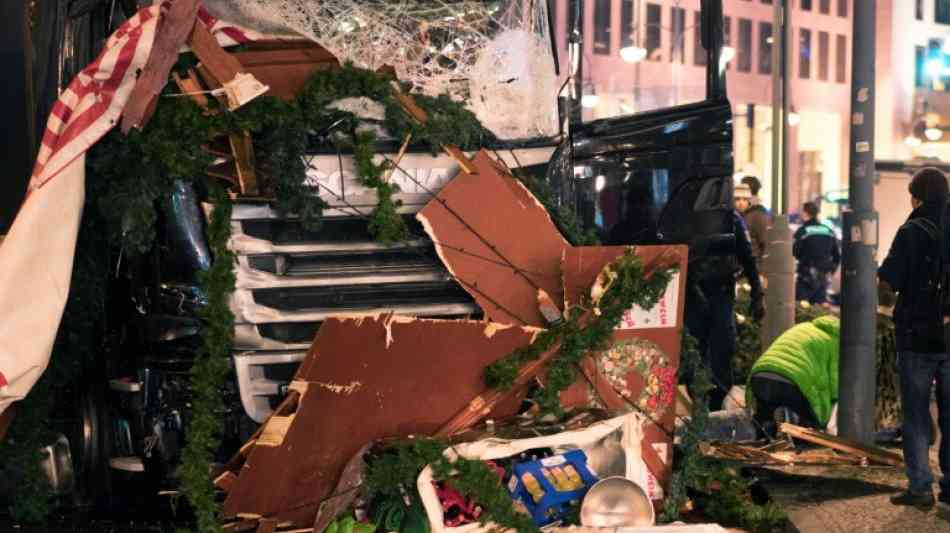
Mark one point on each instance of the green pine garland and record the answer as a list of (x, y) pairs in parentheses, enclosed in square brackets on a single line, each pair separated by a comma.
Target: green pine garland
[(210, 370), (398, 466), (578, 340)]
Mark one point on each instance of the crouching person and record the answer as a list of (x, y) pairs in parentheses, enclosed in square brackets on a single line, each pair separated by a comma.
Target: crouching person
[(913, 270), (798, 372)]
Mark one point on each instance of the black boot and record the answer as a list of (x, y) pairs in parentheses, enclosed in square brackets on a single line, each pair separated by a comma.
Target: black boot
[(920, 500)]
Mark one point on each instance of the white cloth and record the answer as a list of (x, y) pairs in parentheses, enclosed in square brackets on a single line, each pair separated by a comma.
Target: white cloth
[(36, 263)]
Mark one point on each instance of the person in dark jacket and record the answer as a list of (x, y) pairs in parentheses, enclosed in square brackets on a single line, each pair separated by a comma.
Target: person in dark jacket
[(756, 218), (913, 270), (816, 249), (710, 308)]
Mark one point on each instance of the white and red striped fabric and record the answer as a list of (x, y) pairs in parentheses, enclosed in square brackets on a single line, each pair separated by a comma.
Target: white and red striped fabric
[(94, 100), (36, 256)]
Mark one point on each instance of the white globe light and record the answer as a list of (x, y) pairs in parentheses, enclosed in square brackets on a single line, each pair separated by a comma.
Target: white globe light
[(633, 54), (934, 68), (794, 119), (933, 134), (590, 100), (728, 54), (912, 142)]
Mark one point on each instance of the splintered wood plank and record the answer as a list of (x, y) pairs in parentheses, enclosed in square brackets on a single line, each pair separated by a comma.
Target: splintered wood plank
[(222, 65), (172, 32), (409, 105), (873, 453), (243, 150), (192, 88), (365, 379), (498, 240)]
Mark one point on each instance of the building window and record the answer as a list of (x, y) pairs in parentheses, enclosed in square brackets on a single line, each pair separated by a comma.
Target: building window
[(843, 8), (699, 51), (841, 59), (942, 11), (744, 54), (766, 1), (806, 5), (919, 9), (824, 7), (602, 27), (628, 28), (920, 59), (653, 32), (823, 43), (765, 48), (804, 55), (727, 36), (677, 45)]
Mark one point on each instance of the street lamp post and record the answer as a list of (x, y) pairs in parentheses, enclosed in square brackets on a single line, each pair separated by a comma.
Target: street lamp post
[(779, 264), (856, 369)]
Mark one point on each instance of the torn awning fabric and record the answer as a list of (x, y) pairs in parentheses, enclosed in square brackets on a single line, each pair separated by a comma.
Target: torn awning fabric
[(85, 111)]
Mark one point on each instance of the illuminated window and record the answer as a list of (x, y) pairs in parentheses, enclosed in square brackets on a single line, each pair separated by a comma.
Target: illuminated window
[(678, 23), (699, 51), (841, 59), (823, 44), (627, 24), (602, 27), (804, 56), (765, 48), (942, 11), (745, 46), (654, 15)]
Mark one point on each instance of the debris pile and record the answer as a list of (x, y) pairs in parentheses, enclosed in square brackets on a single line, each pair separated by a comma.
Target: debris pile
[(370, 379)]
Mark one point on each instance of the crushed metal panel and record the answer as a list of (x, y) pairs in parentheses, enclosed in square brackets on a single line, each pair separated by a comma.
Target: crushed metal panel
[(484, 223), (368, 378)]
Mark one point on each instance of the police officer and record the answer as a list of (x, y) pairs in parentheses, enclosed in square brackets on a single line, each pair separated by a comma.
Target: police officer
[(816, 249), (710, 308)]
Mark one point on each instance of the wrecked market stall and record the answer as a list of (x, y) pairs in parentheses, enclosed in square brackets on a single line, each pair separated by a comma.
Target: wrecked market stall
[(489, 303)]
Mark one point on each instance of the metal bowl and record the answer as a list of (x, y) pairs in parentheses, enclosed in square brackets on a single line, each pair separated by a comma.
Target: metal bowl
[(617, 502)]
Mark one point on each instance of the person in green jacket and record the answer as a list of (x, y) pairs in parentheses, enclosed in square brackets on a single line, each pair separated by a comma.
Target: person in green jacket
[(799, 371)]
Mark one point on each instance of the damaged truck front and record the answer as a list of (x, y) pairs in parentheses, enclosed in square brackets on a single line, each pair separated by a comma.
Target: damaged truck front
[(663, 177)]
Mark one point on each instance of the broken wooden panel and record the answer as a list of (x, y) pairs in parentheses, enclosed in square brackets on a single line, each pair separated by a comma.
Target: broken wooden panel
[(285, 66), (366, 379), (498, 240), (222, 65), (642, 366), (172, 32)]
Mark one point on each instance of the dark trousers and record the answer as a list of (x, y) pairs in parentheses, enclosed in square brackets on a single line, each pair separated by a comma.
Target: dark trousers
[(918, 371), (812, 286), (772, 394), (713, 323)]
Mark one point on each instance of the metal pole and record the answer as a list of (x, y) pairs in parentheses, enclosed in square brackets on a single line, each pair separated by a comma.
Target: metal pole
[(777, 86), (576, 57), (856, 369), (779, 264)]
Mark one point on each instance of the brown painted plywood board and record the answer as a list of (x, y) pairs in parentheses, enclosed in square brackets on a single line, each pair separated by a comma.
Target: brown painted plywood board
[(173, 30), (485, 224), (285, 66), (366, 379)]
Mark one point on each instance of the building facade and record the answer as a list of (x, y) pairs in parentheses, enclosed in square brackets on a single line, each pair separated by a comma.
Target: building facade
[(673, 72), (913, 79)]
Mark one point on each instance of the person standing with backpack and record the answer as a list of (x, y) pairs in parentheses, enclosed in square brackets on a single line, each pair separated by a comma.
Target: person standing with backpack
[(914, 270)]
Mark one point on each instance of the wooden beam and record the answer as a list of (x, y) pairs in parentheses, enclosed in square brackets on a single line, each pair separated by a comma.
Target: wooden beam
[(872, 453), (192, 88), (243, 150), (410, 106), (222, 65), (172, 32)]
